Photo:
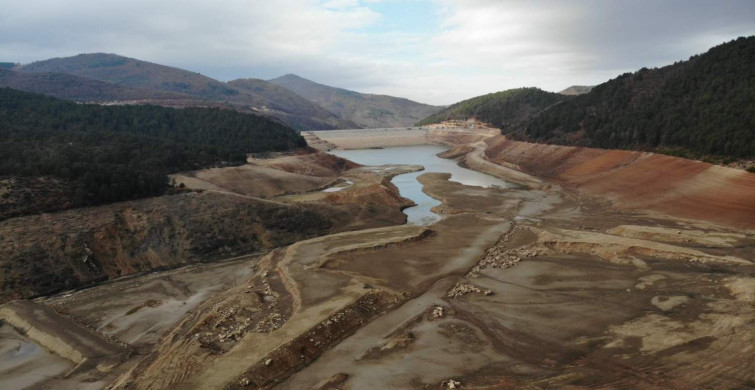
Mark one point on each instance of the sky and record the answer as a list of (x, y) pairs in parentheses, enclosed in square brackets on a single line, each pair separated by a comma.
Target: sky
[(431, 51)]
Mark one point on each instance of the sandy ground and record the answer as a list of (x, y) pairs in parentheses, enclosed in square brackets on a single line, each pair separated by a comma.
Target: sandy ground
[(251, 180), (527, 287), (138, 311)]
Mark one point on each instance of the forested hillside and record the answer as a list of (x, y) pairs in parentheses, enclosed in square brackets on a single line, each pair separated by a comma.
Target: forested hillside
[(82, 89), (93, 154), (501, 109), (364, 109), (701, 107), (297, 111), (159, 80)]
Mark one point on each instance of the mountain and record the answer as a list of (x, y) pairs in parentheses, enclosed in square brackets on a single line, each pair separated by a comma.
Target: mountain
[(86, 154), (576, 90), (366, 110), (701, 107), (81, 89), (298, 110), (500, 109), (133, 73)]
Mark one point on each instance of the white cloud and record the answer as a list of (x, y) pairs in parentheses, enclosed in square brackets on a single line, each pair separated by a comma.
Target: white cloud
[(479, 46)]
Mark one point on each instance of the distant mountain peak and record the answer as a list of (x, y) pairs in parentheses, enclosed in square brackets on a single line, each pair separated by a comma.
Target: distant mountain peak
[(197, 89), (293, 76)]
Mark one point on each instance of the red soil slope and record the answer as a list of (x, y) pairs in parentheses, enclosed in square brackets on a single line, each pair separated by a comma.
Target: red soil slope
[(638, 180)]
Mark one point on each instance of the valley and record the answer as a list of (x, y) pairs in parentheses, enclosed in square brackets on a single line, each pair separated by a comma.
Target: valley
[(548, 272), (366, 194)]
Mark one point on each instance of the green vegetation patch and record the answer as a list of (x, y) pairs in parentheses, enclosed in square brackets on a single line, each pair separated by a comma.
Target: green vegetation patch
[(701, 107), (114, 153), (500, 109)]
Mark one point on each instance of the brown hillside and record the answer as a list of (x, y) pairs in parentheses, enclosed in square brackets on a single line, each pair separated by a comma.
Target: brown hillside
[(638, 180), (45, 253)]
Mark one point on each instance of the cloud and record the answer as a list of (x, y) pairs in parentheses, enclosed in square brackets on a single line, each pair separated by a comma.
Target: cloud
[(197, 31), (436, 51)]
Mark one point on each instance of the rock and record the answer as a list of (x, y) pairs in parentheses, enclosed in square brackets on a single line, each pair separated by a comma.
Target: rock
[(268, 362), (451, 384), (461, 289), (244, 382)]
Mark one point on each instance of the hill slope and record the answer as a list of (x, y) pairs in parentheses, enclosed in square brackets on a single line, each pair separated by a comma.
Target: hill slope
[(294, 106), (81, 89), (366, 110), (500, 109), (133, 73), (703, 106), (58, 154)]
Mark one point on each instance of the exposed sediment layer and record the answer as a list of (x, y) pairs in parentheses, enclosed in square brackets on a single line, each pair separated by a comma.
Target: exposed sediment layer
[(46, 253), (526, 287), (639, 181), (314, 307)]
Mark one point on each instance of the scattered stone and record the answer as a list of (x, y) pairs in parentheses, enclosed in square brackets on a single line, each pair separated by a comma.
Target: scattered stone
[(451, 384), (498, 257), (438, 312), (268, 362), (244, 382), (461, 289)]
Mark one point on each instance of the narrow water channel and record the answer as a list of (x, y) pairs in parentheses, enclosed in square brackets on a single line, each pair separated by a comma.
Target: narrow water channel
[(408, 184)]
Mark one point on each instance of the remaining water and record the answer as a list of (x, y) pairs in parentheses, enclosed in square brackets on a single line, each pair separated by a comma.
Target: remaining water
[(407, 183)]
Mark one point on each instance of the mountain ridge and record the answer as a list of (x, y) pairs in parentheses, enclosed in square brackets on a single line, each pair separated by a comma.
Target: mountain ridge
[(698, 108), (366, 110), (500, 109), (134, 73), (289, 102), (81, 89)]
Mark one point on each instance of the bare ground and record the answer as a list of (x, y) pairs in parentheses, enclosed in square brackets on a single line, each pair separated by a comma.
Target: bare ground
[(530, 287)]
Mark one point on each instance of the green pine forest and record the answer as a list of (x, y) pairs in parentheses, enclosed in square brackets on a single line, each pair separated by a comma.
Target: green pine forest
[(501, 109), (704, 106), (700, 108), (103, 154)]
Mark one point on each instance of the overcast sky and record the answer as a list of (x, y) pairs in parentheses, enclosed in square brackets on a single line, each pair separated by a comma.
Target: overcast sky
[(432, 51)]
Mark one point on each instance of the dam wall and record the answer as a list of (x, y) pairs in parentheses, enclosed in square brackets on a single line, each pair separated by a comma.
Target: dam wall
[(404, 136)]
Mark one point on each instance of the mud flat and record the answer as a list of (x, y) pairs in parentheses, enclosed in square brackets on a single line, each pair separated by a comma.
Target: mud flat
[(513, 288), (541, 285), (547, 310)]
